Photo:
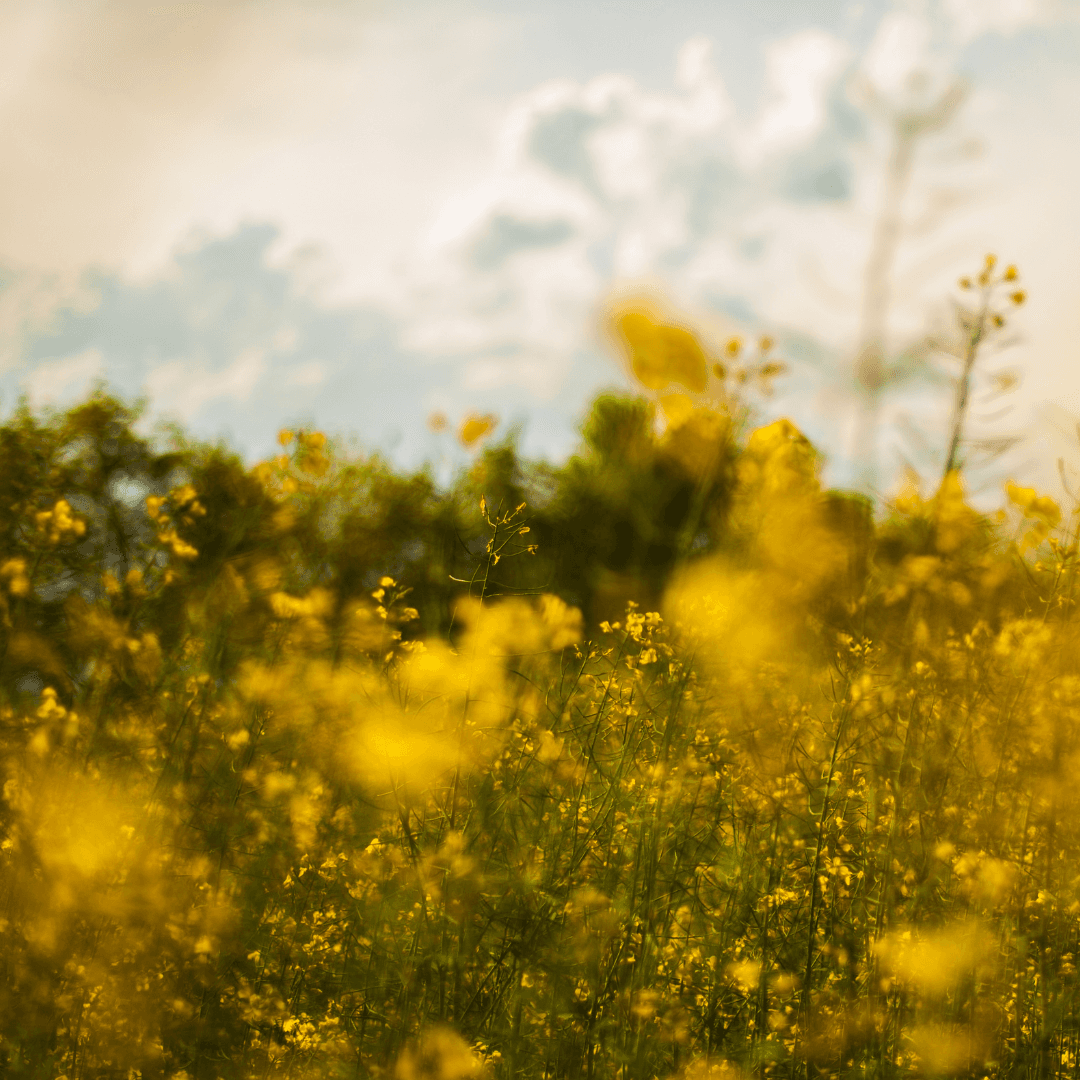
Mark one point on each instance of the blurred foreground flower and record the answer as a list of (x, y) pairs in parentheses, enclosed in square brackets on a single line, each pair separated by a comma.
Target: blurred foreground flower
[(474, 428), (439, 1054)]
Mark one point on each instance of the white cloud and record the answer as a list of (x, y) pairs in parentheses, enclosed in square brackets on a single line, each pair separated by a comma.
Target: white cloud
[(29, 300), (63, 379), (973, 18), (799, 72), (182, 388), (898, 53), (707, 104), (127, 125), (311, 373), (603, 182), (540, 374), (581, 190), (625, 167)]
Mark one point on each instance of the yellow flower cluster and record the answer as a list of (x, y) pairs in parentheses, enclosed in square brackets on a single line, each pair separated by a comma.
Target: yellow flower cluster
[(180, 504), (663, 354), (295, 471), (13, 574), (59, 525)]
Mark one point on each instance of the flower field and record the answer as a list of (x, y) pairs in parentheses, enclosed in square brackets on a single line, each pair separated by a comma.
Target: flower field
[(310, 770)]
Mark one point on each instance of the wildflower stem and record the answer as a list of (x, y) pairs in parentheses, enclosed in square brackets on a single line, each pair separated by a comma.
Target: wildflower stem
[(811, 933), (963, 388)]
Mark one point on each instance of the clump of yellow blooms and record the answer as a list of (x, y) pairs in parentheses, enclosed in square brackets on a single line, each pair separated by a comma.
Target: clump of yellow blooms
[(181, 504), (668, 358), (58, 525), (1041, 510), (298, 471), (988, 282), (14, 576)]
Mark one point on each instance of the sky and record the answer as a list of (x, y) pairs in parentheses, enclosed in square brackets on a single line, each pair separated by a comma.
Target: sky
[(350, 214)]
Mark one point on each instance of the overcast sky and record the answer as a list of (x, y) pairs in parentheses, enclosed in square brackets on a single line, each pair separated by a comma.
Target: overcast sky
[(350, 213)]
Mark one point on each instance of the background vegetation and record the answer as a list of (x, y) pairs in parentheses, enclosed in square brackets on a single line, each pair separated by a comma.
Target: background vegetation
[(662, 762)]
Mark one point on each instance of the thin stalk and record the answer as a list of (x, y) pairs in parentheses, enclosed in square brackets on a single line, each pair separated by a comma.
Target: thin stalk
[(963, 389), (813, 915)]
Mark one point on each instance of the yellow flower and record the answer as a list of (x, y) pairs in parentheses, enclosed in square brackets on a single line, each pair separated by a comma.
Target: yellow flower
[(661, 353), (1040, 507), (15, 572), (474, 428)]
